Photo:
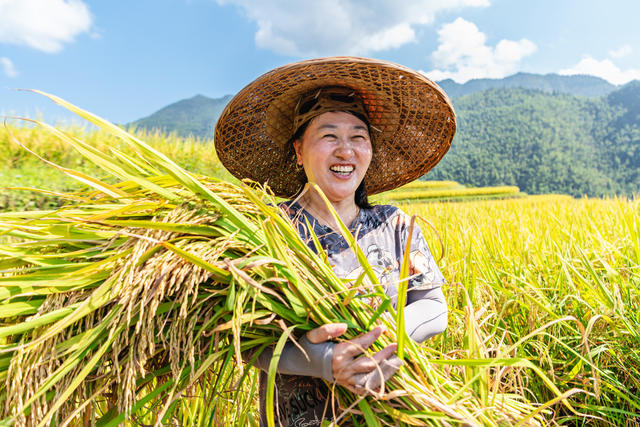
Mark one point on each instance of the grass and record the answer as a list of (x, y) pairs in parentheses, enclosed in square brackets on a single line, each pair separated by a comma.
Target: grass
[(131, 294), (543, 293), (503, 191), (555, 280), (22, 169)]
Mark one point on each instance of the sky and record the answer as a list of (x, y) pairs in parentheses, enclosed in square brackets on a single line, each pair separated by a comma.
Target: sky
[(124, 60)]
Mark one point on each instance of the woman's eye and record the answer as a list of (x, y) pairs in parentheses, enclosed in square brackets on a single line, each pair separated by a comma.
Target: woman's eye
[(329, 135)]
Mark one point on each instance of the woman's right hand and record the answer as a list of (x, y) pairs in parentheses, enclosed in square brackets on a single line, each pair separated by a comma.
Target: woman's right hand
[(359, 374)]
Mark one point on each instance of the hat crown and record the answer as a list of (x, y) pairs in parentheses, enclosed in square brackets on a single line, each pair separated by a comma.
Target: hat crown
[(327, 99)]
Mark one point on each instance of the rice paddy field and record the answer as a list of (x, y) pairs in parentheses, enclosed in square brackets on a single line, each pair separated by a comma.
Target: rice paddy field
[(442, 191), (552, 279), (543, 293)]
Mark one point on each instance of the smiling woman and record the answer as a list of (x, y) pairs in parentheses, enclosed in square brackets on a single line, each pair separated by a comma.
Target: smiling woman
[(335, 152), (331, 131)]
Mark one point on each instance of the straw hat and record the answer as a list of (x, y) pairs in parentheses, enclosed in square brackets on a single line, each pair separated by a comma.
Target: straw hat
[(415, 119)]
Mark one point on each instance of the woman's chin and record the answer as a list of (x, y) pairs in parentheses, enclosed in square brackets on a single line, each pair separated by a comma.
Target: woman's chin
[(335, 195), (339, 190)]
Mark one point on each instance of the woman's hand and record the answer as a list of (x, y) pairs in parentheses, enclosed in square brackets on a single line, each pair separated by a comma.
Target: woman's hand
[(361, 375)]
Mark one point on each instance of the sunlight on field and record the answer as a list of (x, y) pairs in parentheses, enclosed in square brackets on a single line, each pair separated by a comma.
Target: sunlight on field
[(550, 279), (528, 263), (432, 191), (23, 169)]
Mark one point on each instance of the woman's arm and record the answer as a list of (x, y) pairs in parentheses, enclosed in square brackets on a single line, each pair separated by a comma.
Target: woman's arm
[(426, 309), (294, 362), (340, 363), (425, 314)]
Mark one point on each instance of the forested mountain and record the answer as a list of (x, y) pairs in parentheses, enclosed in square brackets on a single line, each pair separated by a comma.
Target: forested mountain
[(550, 83), (194, 116), (197, 116), (547, 142), (542, 139)]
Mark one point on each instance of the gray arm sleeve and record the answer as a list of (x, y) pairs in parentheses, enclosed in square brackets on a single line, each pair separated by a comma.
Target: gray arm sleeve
[(293, 361), (425, 314)]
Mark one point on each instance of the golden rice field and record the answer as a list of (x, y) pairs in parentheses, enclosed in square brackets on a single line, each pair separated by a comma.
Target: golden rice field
[(22, 169), (433, 191), (550, 279), (555, 280), (421, 195)]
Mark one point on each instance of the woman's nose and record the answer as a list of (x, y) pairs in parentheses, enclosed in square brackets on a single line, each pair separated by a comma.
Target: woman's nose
[(344, 149)]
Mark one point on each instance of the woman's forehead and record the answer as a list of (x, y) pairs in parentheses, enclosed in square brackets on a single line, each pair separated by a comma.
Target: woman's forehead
[(336, 119)]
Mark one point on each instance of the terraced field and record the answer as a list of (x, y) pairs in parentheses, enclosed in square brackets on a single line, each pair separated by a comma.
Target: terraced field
[(432, 191)]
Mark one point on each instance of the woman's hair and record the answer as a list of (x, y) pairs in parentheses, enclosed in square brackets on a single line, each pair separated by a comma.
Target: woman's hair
[(361, 198)]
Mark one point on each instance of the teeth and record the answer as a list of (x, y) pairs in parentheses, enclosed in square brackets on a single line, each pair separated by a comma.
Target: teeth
[(342, 169)]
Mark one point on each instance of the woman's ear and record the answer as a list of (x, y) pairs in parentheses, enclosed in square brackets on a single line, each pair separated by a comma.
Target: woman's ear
[(297, 146)]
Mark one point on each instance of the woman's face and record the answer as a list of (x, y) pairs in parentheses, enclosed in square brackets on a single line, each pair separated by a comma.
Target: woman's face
[(335, 151)]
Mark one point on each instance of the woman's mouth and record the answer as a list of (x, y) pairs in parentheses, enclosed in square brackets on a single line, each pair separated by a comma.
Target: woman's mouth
[(343, 171)]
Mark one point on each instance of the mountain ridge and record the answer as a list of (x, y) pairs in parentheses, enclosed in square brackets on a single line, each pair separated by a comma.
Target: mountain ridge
[(541, 139), (197, 115), (578, 85)]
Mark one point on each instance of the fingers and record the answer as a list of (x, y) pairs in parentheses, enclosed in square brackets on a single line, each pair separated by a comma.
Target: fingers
[(359, 344), (372, 381), (359, 374), (366, 364), (385, 353), (365, 375), (326, 332)]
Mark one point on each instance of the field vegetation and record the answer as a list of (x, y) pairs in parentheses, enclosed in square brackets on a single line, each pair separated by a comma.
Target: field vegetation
[(22, 169), (431, 191), (547, 142), (551, 280)]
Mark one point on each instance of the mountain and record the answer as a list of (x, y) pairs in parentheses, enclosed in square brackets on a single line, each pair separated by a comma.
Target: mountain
[(628, 97), (547, 143), (579, 85), (547, 134), (195, 116)]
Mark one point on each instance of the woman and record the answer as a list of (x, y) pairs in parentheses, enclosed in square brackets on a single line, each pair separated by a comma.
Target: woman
[(353, 127)]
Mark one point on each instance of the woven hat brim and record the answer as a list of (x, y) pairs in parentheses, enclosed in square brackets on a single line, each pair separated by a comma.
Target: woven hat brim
[(415, 119)]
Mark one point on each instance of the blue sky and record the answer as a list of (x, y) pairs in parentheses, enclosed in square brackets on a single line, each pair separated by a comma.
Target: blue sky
[(124, 60)]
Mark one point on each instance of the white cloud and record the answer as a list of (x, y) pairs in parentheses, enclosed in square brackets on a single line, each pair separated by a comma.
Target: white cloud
[(624, 50), (8, 67), (463, 54), (43, 24), (347, 27), (604, 69)]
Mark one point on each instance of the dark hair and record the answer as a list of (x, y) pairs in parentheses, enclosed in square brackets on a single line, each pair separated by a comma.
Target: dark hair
[(361, 198)]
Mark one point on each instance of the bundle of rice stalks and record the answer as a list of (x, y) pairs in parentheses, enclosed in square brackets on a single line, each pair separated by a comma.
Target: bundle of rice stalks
[(121, 303)]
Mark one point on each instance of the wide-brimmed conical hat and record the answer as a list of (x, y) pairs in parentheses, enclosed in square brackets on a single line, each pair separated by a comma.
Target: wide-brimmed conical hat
[(413, 118)]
